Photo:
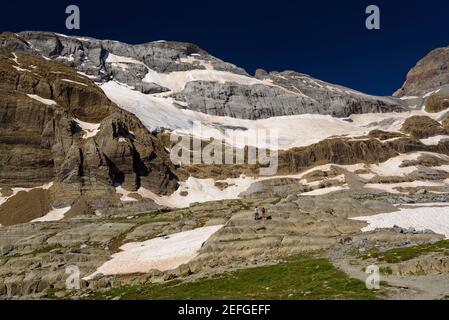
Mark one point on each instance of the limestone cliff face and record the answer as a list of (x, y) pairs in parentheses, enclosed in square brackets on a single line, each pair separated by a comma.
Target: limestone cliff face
[(44, 110), (244, 101), (332, 99), (289, 93)]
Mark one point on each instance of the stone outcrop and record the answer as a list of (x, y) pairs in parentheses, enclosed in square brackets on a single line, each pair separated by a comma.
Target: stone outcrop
[(437, 102), (430, 264), (244, 101), (422, 127)]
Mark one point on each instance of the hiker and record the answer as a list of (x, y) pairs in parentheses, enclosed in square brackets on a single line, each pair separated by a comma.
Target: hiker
[(256, 213), (264, 216)]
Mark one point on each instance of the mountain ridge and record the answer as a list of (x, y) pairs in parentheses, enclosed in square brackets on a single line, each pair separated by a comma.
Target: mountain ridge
[(147, 64)]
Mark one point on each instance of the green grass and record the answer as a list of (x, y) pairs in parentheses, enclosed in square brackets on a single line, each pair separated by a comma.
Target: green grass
[(404, 254), (305, 277)]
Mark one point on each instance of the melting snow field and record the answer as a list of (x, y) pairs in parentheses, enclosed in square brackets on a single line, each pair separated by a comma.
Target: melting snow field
[(165, 253), (200, 190), (90, 129), (53, 215), (420, 218), (203, 190), (157, 111)]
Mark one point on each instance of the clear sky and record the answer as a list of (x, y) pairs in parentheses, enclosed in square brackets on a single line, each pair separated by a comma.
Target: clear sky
[(326, 39)]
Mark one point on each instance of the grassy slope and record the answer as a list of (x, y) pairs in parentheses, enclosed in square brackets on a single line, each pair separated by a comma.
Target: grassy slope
[(408, 253), (305, 277)]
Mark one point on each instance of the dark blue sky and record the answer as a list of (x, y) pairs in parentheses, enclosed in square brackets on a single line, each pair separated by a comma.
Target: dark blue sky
[(326, 39)]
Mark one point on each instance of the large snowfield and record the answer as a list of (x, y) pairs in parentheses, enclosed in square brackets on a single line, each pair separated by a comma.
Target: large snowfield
[(164, 253), (157, 111), (435, 218)]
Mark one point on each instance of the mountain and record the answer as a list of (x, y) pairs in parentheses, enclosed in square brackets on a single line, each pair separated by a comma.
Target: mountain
[(204, 83)]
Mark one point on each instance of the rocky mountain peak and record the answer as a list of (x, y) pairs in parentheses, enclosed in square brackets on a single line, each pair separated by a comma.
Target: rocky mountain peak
[(431, 73)]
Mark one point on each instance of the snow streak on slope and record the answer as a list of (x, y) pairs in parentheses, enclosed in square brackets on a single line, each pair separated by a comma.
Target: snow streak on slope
[(48, 102), (165, 253), (322, 191), (176, 81)]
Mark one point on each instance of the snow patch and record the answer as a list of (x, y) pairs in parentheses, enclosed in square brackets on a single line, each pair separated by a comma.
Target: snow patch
[(392, 167), (122, 62), (409, 97), (434, 141), (75, 82), (177, 80), (112, 58), (431, 93), (90, 129), (164, 253), (125, 194), (2, 198), (54, 215), (200, 190), (322, 191), (423, 218), (48, 102)]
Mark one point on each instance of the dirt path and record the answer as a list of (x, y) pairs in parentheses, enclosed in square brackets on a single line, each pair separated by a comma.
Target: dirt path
[(428, 287)]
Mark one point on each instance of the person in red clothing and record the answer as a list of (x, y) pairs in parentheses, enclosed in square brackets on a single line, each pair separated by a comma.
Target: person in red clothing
[(264, 213)]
